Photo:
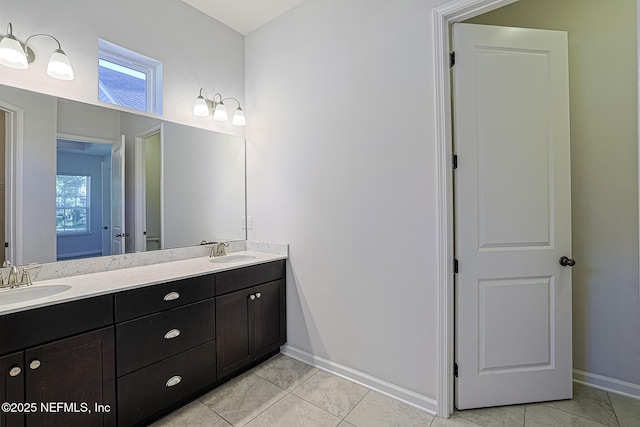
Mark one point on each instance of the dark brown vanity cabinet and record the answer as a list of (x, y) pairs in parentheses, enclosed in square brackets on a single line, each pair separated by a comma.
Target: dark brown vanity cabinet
[(133, 356), (12, 387), (251, 317), (61, 381), (165, 340)]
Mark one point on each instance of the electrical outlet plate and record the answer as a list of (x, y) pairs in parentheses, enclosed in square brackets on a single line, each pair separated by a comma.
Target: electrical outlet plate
[(247, 222)]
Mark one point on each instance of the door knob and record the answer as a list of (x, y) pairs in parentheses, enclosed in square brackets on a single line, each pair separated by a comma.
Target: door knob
[(567, 262)]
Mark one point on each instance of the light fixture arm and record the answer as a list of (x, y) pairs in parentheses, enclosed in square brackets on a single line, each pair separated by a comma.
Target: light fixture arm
[(41, 34)]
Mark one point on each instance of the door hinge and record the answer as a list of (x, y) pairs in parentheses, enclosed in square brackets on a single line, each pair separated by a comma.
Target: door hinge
[(455, 161), (455, 266), (455, 370), (6, 244), (452, 59)]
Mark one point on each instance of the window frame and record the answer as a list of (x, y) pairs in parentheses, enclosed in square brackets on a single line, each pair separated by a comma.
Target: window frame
[(150, 67)]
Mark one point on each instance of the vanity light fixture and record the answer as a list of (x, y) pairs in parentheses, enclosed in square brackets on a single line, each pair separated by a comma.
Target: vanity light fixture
[(204, 107), (15, 54)]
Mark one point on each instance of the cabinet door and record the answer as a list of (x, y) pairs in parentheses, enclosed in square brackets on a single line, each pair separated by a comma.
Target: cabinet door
[(79, 372), (12, 387), (270, 318), (234, 321)]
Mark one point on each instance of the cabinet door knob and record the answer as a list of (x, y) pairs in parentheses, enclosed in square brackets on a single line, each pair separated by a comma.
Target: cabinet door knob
[(35, 364), (258, 295), (173, 381), (252, 297), (172, 334), (15, 371), (171, 296)]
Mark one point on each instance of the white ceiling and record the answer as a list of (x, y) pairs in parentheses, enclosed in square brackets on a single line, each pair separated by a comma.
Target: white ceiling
[(243, 16)]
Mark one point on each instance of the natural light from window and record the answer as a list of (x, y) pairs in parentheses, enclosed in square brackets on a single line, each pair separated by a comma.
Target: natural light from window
[(72, 203), (129, 79)]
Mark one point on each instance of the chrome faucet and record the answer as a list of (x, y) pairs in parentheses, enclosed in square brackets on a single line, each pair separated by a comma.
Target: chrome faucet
[(219, 249), (14, 272)]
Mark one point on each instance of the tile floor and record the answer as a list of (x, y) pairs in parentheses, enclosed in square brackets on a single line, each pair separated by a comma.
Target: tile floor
[(284, 392)]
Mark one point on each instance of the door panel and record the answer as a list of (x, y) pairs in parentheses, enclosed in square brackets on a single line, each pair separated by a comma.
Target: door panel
[(118, 234), (513, 215)]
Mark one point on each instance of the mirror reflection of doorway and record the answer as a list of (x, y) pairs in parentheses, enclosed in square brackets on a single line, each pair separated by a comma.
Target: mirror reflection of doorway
[(3, 180), (83, 199), (152, 156)]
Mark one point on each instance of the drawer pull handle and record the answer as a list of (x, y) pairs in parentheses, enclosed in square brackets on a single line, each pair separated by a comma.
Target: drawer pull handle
[(258, 295), (252, 297), (171, 296), (173, 381), (15, 371), (35, 364), (172, 334)]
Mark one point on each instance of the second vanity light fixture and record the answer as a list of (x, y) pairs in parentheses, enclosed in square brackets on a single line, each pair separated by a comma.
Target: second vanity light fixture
[(15, 54), (203, 107)]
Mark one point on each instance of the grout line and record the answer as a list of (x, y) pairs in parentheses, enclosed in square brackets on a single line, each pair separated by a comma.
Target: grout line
[(354, 406), (613, 408)]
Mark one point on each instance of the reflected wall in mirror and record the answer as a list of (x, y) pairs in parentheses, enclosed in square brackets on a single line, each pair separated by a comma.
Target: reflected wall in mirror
[(170, 186)]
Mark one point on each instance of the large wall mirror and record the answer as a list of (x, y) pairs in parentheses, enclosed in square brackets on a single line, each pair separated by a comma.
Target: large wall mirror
[(82, 181)]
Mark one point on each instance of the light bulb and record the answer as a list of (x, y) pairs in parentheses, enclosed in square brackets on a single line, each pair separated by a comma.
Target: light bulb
[(220, 113), (59, 66), (239, 118), (11, 53), (201, 108)]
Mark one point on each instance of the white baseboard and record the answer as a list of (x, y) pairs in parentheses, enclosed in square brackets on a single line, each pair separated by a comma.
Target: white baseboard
[(607, 384), (411, 398)]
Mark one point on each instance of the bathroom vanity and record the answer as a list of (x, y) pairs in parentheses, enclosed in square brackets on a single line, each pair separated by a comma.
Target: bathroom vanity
[(126, 354)]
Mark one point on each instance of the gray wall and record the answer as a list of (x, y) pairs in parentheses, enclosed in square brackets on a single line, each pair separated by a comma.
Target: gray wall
[(341, 165)]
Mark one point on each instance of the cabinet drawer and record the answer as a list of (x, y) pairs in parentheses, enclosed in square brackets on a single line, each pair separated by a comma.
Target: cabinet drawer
[(242, 278), (146, 340), (40, 325), (143, 301), (149, 391)]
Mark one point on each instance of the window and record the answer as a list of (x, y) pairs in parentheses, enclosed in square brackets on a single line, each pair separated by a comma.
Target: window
[(128, 78), (72, 203)]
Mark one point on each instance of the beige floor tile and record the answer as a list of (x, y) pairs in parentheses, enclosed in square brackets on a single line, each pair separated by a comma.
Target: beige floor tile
[(291, 411), (345, 424), (382, 411), (285, 372), (333, 394), (627, 410), (195, 414), (501, 416), (588, 403), (452, 421), (243, 398), (539, 415)]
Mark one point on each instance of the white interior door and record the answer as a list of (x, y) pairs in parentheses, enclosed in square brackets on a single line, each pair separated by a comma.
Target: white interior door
[(513, 216), (118, 233)]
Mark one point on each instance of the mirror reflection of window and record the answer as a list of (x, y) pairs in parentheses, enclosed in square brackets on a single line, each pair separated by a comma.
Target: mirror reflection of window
[(83, 199), (73, 203)]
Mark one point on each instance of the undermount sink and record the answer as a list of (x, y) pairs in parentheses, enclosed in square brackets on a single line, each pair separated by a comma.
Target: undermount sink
[(226, 259), (28, 293)]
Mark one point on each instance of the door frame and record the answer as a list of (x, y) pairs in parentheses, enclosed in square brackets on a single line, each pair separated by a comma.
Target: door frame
[(442, 18), (14, 153), (140, 242), (93, 140)]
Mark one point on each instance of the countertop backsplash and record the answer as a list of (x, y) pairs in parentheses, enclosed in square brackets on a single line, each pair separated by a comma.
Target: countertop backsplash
[(56, 270)]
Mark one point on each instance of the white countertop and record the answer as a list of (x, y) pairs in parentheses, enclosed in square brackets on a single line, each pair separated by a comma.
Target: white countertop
[(107, 282)]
